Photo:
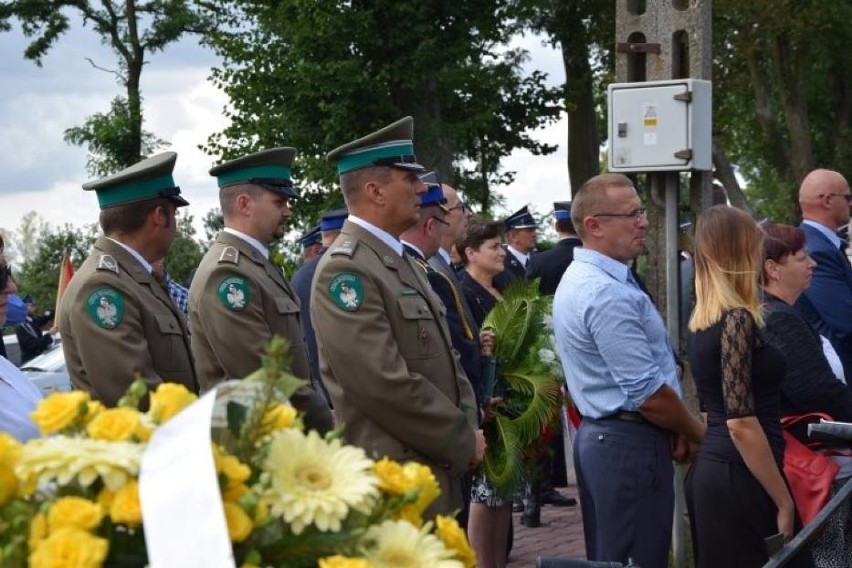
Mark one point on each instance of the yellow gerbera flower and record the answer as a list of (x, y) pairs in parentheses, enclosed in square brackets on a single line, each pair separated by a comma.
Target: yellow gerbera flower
[(454, 538), (399, 544), (63, 459), (316, 482)]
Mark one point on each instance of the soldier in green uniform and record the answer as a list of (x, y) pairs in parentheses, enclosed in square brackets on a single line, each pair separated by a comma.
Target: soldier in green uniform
[(385, 353), (238, 298), (117, 320)]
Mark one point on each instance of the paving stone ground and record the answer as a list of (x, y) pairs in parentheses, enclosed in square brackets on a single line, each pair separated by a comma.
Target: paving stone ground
[(560, 535)]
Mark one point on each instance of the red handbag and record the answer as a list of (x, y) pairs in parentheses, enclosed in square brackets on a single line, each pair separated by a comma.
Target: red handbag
[(809, 473)]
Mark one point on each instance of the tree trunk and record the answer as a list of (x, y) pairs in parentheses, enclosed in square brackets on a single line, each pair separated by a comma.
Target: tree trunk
[(583, 141), (724, 171)]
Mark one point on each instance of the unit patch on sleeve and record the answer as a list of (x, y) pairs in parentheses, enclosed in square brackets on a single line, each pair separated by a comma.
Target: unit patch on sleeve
[(346, 291), (105, 306)]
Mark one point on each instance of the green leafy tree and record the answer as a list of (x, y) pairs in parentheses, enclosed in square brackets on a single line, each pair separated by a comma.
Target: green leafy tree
[(783, 94), (132, 29), (39, 274), (584, 32), (317, 74), (185, 253), (213, 222)]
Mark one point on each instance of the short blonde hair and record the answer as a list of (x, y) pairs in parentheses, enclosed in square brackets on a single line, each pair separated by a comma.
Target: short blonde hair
[(592, 195), (728, 259)]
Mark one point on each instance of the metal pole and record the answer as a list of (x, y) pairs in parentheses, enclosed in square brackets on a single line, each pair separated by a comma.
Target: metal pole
[(672, 180)]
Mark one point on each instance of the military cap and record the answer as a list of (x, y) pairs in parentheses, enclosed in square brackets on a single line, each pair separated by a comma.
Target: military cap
[(520, 219), (148, 179), (434, 192), (333, 220), (311, 237), (269, 169), (389, 146), (562, 210)]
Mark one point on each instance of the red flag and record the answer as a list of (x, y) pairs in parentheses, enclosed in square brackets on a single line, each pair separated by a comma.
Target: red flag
[(66, 271)]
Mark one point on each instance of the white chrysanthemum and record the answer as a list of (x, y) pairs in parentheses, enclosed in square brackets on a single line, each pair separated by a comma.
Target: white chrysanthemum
[(316, 482), (546, 356), (62, 459), (399, 544)]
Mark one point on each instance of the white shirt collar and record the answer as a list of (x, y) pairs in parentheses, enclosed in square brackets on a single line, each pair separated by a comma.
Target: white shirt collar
[(518, 254), (134, 254), (261, 248), (446, 256), (380, 234), (415, 247), (829, 234)]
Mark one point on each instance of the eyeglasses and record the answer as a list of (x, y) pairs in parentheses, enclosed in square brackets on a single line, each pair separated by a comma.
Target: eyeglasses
[(634, 215), (5, 275), (846, 196), (441, 221), (458, 206)]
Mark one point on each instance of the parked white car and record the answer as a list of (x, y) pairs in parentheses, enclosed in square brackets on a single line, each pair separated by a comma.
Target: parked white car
[(48, 371)]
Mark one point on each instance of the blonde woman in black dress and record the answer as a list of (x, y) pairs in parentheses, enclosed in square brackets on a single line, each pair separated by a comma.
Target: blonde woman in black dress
[(736, 491)]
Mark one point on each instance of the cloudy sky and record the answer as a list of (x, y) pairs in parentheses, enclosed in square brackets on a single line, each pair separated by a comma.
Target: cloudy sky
[(40, 172)]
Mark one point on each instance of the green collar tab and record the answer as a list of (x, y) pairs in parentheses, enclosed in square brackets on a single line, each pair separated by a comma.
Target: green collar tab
[(367, 157)]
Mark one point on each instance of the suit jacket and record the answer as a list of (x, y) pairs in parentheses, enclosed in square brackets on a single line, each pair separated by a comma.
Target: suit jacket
[(231, 332), (827, 303), (479, 299), (550, 265), (117, 321), (464, 331), (32, 340), (302, 282), (387, 360), (512, 270)]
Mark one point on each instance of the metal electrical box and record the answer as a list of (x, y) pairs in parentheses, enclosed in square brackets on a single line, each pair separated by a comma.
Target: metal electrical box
[(660, 126)]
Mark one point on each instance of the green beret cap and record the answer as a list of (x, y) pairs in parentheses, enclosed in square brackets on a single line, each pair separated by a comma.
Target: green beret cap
[(148, 179), (390, 146), (267, 168)]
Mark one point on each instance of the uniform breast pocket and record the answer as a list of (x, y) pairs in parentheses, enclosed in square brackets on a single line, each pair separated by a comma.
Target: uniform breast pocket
[(168, 347), (285, 305), (418, 333)]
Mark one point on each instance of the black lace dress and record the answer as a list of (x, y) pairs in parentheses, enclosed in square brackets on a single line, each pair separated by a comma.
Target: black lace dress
[(737, 375)]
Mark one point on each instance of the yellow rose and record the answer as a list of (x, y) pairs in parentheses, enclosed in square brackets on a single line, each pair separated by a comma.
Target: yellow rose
[(239, 523), (392, 477), (105, 499), (114, 424), (10, 452), (125, 508), (74, 513), (234, 471), (234, 493), (69, 548), (425, 483), (38, 530), (344, 562), (60, 410), (168, 400), (93, 408), (278, 417), (449, 531)]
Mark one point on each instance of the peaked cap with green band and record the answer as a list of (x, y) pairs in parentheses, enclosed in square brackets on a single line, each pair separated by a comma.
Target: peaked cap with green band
[(148, 179), (390, 146), (267, 168)]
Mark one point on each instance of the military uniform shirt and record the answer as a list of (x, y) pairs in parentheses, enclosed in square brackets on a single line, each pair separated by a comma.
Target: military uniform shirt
[(117, 321)]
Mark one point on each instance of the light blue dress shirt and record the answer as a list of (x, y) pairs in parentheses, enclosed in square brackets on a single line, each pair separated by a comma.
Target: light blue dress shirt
[(611, 339)]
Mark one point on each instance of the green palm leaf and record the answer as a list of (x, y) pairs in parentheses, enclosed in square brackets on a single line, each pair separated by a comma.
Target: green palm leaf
[(541, 406), (504, 459)]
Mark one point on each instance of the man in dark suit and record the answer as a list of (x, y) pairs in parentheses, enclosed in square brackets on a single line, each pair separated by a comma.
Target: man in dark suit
[(329, 227), (520, 242), (31, 338), (551, 264), (310, 244), (827, 304)]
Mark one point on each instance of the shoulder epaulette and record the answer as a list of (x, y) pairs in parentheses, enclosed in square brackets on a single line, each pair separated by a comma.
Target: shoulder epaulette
[(230, 254), (344, 247), (108, 263)]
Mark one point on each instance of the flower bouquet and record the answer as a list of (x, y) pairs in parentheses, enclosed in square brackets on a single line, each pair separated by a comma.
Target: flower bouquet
[(288, 497), (526, 380)]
